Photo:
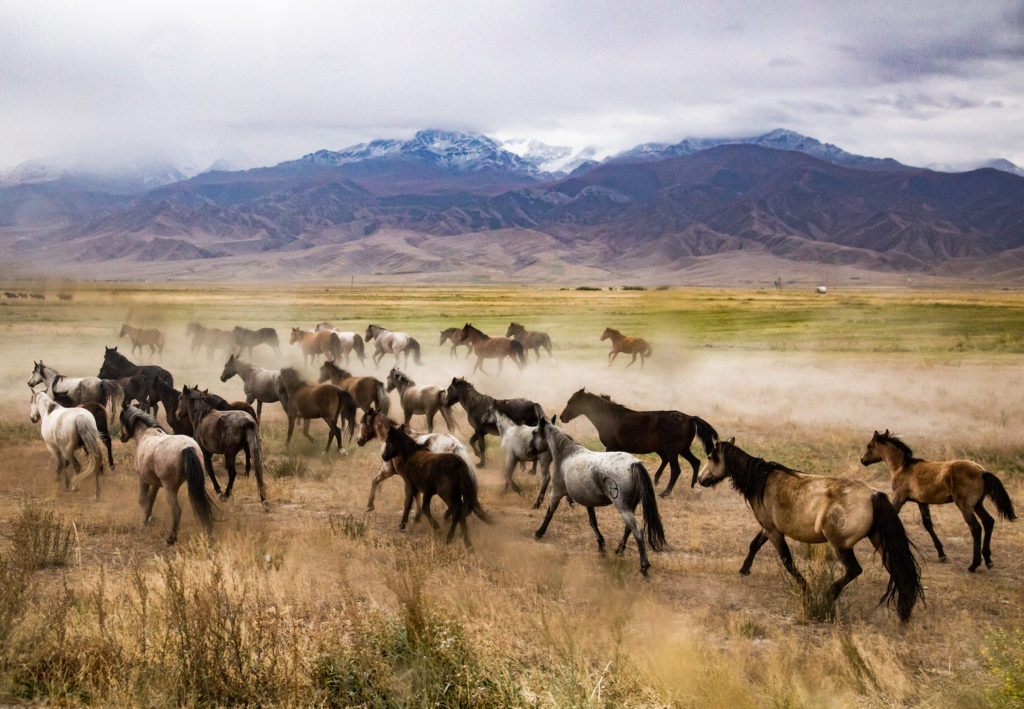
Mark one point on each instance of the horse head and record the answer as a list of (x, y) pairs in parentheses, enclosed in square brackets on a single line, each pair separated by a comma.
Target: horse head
[(514, 329), (297, 334), (371, 332), (715, 469), (367, 426), (608, 332), (229, 369), (572, 407)]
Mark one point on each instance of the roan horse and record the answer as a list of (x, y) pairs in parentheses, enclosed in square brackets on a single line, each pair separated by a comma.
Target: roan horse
[(595, 479), (529, 340), (323, 401), (485, 347), (425, 399), (151, 337), (367, 391), (247, 339), (962, 482), (443, 474), (259, 384), (396, 343), (349, 342), (815, 509), (166, 461), (667, 433), (480, 410), (313, 344), (374, 424), (224, 432), (457, 337), (72, 391), (630, 345), (65, 430), (517, 443)]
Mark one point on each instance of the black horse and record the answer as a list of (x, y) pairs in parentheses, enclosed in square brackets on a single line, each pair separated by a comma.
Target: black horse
[(116, 365), (480, 410)]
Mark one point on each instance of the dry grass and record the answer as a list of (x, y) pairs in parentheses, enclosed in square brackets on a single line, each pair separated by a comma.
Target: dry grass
[(319, 603)]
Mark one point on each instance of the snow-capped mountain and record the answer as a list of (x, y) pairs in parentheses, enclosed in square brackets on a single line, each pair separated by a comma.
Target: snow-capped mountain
[(119, 175), (557, 160), (1005, 166)]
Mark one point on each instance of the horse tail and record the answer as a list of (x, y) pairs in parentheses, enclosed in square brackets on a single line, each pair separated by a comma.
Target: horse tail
[(649, 351), (446, 411), (89, 435), (519, 352), (469, 493), (415, 347), (357, 345), (99, 415), (546, 343), (649, 504), (252, 442), (994, 489), (335, 347), (202, 506), (383, 400), (706, 433), (889, 537), (346, 412), (115, 398)]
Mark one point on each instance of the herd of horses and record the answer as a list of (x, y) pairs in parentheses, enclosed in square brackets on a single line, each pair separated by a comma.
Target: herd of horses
[(78, 413)]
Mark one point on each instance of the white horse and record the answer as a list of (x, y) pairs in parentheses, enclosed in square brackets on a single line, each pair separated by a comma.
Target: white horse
[(374, 424), (167, 461), (395, 343), (516, 441), (260, 385), (72, 391), (595, 479), (350, 341), (64, 430)]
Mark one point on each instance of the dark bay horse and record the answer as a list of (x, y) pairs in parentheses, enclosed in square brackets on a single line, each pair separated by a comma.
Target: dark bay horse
[(480, 412), (667, 433), (962, 482), (815, 509), (144, 337), (630, 345), (182, 425), (443, 474), (486, 347), (529, 340), (116, 365), (322, 401), (225, 432), (247, 339), (367, 391), (457, 337)]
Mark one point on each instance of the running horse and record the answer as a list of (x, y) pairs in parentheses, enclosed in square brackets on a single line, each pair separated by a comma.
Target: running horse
[(116, 365), (486, 347), (367, 391), (480, 410), (73, 391), (211, 338), (530, 340), (962, 482), (65, 430), (426, 399), (259, 384), (150, 337), (457, 337), (815, 509), (349, 342), (636, 346), (396, 343), (247, 339), (314, 344), (323, 401)]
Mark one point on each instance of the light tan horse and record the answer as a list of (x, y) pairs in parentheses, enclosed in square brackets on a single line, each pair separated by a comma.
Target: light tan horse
[(815, 509), (636, 346), (962, 482), (210, 338), (314, 343), (166, 461), (323, 401), (150, 337)]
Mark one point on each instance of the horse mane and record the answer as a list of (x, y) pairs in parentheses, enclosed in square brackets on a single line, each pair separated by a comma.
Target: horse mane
[(749, 473), (565, 445), (117, 357), (133, 415), (332, 366), (607, 400), (898, 444), (467, 328)]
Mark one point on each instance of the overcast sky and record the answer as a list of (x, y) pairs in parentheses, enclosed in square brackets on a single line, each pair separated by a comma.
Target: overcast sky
[(260, 82)]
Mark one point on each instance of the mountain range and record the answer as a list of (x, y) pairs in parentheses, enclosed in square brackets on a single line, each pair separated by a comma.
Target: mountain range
[(464, 207)]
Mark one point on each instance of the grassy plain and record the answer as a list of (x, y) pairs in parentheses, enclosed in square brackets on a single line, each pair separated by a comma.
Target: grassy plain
[(317, 602)]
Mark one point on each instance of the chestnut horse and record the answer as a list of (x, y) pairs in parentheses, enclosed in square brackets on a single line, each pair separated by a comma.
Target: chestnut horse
[(486, 347), (152, 338), (315, 343), (367, 391), (630, 345), (962, 482), (529, 340), (323, 401)]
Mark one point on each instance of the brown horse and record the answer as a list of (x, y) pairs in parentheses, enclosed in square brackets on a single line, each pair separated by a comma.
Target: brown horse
[(443, 474), (323, 401), (152, 338), (210, 338), (667, 433), (225, 432), (962, 482), (367, 391), (182, 425), (815, 509), (499, 348), (630, 345), (530, 340), (316, 343), (456, 336)]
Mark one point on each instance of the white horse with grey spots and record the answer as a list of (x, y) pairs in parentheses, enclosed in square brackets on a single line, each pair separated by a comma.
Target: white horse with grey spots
[(65, 430)]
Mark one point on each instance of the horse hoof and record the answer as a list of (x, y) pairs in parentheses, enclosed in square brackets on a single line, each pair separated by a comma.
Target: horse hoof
[(744, 572), (370, 508), (666, 493), (221, 496), (988, 564), (943, 559), (266, 506), (171, 540), (538, 534), (972, 568), (643, 570)]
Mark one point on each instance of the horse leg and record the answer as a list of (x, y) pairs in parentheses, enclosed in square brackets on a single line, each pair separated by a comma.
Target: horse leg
[(926, 520), (592, 516), (988, 522), (633, 526), (611, 357), (430, 419), (387, 469), (410, 495), (510, 466), (334, 431), (145, 501), (972, 522), (425, 507), (305, 429), (694, 463), (664, 462), (259, 407), (172, 500), (545, 480), (779, 542), (229, 463), (673, 464), (477, 443), (755, 545), (208, 461), (853, 570), (479, 365), (552, 506), (291, 427), (632, 361)]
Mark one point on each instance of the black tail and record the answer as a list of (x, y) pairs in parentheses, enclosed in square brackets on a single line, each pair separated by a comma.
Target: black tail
[(469, 494), (383, 401), (202, 507), (519, 353), (889, 537), (994, 489), (335, 347), (649, 504), (357, 345), (706, 433), (415, 347), (346, 413)]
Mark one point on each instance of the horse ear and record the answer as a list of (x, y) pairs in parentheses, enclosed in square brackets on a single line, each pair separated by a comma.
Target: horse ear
[(886, 432), (732, 441), (554, 419)]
